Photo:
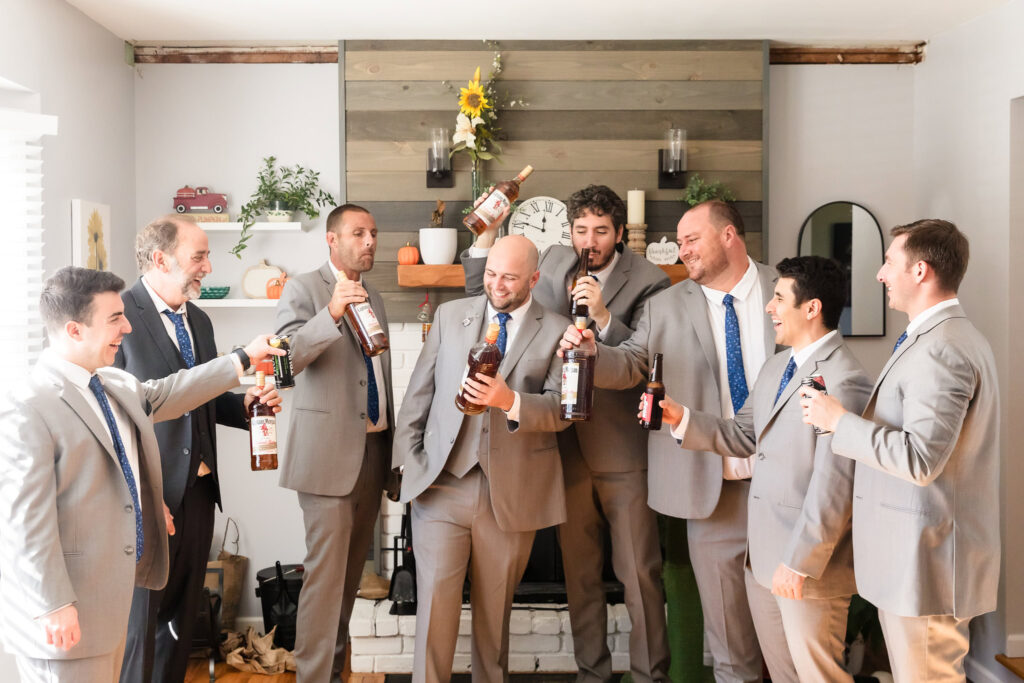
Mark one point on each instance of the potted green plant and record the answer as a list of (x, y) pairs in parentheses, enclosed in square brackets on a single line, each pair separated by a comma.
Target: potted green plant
[(698, 190), (280, 193)]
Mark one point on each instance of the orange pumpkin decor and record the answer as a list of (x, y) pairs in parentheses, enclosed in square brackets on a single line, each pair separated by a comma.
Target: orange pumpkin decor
[(275, 286), (408, 255)]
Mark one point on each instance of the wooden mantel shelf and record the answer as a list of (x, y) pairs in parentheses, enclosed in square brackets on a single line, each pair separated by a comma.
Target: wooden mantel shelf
[(451, 276)]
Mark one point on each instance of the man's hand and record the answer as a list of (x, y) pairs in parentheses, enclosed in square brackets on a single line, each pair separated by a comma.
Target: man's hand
[(267, 395), (786, 583), (169, 518), (346, 292), (820, 409), (258, 349), (61, 627), (490, 391), (588, 292), (671, 412), (486, 239), (573, 338)]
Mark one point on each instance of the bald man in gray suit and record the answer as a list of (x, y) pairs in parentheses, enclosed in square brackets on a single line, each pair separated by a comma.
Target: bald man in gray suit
[(925, 510)]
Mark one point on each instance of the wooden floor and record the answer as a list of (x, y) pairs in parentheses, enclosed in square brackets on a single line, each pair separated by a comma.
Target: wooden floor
[(1014, 664), (199, 672)]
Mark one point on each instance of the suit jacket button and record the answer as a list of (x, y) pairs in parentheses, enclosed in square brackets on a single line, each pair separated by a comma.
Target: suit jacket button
[(186, 413), (362, 382), (129, 550), (185, 450), (451, 440), (129, 508), (362, 416), (760, 456)]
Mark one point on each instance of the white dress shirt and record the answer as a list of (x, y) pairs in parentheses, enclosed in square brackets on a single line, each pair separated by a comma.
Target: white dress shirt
[(162, 306), (924, 315)]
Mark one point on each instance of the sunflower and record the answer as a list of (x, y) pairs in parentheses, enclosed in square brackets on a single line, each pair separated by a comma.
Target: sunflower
[(472, 99)]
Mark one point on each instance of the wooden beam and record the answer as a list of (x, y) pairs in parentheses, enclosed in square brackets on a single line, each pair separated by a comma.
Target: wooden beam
[(799, 54), (236, 55)]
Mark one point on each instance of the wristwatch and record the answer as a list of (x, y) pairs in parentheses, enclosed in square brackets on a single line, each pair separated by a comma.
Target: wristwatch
[(243, 357)]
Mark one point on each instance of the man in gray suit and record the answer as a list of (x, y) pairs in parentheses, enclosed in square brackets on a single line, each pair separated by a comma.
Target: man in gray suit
[(605, 463), (339, 438), (799, 554), (80, 489), (925, 509), (481, 485), (715, 336)]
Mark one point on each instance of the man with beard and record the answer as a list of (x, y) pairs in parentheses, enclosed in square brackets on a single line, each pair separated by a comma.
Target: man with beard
[(171, 334), (715, 336), (481, 485), (339, 437), (605, 463)]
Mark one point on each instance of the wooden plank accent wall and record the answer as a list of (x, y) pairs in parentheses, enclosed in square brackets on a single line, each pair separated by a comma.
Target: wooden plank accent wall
[(597, 113)]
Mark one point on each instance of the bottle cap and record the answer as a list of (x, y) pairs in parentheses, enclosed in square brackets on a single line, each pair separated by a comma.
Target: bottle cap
[(525, 173), (260, 378), (492, 333)]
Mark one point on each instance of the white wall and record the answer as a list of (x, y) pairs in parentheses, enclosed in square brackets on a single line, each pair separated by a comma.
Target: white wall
[(78, 69)]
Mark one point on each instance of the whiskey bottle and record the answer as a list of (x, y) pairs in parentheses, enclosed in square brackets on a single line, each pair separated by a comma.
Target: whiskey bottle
[(262, 432), (650, 410), (484, 359), (368, 329), (577, 381), (498, 203), (580, 311), (283, 377)]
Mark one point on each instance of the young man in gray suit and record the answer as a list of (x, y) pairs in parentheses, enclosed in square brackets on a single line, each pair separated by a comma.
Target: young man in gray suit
[(799, 554), (80, 488), (605, 463), (925, 509), (715, 336), (339, 438), (481, 485)]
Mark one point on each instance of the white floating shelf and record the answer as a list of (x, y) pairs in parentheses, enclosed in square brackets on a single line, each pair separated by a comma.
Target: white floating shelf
[(262, 226), (235, 303)]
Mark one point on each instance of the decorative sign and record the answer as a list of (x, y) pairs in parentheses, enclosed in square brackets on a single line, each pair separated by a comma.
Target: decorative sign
[(663, 253)]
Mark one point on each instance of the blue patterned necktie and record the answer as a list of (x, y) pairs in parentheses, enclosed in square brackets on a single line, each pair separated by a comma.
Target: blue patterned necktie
[(184, 345), (122, 458), (734, 356), (899, 342), (372, 399), (503, 318), (786, 376)]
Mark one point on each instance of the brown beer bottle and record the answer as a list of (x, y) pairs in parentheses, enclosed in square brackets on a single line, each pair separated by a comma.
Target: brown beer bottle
[(484, 359), (262, 432), (494, 207), (368, 329), (580, 311), (577, 381), (650, 411)]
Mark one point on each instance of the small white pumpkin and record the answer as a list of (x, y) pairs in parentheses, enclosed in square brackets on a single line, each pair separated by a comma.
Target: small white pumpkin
[(663, 253)]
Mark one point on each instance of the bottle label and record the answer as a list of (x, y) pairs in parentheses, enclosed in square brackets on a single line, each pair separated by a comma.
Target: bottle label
[(570, 383), (264, 435), (283, 365), (369, 319), (462, 382), (646, 407), (494, 207)]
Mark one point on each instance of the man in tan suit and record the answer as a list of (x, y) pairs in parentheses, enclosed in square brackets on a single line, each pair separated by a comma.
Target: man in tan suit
[(481, 485), (925, 509), (799, 553), (339, 437), (80, 489)]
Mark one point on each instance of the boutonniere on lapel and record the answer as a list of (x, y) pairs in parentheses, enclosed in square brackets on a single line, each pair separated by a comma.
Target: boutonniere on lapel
[(469, 319)]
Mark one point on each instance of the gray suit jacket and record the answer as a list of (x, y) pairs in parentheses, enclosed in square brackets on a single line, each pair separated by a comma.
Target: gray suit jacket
[(675, 323), (608, 442), (524, 470), (69, 523), (926, 494), (326, 442), (801, 495)]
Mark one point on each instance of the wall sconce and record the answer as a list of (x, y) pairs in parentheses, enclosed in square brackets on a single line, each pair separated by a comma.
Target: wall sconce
[(672, 160), (439, 159)]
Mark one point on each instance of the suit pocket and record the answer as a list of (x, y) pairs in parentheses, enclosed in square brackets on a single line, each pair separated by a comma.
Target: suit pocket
[(905, 509)]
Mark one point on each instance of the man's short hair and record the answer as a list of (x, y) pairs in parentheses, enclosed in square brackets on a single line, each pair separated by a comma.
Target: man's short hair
[(335, 217), (817, 277), (939, 244), (159, 235), (599, 200), (723, 214), (68, 295)]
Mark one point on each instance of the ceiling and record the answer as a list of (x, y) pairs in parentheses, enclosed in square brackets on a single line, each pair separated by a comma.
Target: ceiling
[(265, 22)]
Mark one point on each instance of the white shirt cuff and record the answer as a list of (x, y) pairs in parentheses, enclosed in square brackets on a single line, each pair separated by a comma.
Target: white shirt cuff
[(679, 431), (512, 414), (479, 252)]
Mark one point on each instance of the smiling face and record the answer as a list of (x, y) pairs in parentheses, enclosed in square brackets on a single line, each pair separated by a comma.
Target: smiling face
[(597, 233), (511, 273), (94, 343), (353, 242), (793, 322), (190, 261), (701, 246), (897, 274)]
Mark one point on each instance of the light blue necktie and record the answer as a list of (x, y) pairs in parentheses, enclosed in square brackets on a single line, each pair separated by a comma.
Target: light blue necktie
[(786, 376), (182, 334), (899, 342), (503, 318), (372, 399), (122, 458), (734, 356)]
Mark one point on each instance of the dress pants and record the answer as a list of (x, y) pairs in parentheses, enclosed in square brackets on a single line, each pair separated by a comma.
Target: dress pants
[(453, 526), (771, 634), (926, 649), (161, 622), (339, 530), (100, 669), (594, 502), (717, 551)]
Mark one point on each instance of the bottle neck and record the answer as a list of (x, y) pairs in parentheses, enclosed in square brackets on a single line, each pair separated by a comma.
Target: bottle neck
[(656, 369)]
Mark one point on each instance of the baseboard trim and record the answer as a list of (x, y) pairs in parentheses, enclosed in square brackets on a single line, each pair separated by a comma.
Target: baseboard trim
[(242, 624), (1015, 645), (978, 673)]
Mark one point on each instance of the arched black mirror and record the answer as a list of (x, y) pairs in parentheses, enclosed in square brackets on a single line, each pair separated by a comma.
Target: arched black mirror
[(848, 233)]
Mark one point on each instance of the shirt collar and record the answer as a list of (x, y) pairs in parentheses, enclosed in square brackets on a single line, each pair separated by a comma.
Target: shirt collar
[(923, 316), (73, 373), (160, 304), (335, 271), (603, 274), (514, 315), (800, 357), (742, 289)]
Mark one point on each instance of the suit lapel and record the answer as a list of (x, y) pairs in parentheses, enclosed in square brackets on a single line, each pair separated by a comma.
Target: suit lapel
[(528, 329), (73, 397), (696, 306), (155, 327), (618, 277), (806, 368), (203, 344)]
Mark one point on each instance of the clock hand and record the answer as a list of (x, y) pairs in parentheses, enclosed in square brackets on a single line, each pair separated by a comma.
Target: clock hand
[(543, 223)]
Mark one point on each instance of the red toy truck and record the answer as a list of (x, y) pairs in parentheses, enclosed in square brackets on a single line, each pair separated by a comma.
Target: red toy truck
[(199, 199)]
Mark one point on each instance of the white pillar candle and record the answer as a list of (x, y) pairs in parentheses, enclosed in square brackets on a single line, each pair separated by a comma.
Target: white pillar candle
[(635, 207)]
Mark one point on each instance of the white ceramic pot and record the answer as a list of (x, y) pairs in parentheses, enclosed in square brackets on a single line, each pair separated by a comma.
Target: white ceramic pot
[(438, 245)]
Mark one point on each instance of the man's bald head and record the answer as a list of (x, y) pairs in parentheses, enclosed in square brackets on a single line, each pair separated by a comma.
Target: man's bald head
[(511, 272)]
